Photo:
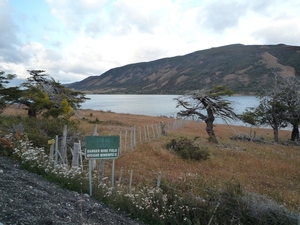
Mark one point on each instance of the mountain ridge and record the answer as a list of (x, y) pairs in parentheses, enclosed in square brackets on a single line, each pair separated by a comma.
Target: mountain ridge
[(245, 69)]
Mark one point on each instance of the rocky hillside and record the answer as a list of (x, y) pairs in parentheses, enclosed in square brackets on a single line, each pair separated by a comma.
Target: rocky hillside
[(243, 68)]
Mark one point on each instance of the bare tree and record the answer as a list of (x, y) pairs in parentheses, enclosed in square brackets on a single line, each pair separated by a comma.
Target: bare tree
[(207, 104)]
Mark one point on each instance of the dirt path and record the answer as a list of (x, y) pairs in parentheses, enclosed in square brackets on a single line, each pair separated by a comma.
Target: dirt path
[(26, 198)]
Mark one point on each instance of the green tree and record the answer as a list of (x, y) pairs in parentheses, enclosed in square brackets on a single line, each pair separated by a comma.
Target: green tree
[(273, 109), (289, 96), (43, 95), (8, 95), (211, 102)]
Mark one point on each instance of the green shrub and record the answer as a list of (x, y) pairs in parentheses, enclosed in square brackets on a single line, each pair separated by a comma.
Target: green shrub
[(200, 154), (186, 149), (6, 147), (39, 130)]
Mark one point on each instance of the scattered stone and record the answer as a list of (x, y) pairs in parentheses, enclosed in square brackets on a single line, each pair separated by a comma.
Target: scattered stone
[(26, 198)]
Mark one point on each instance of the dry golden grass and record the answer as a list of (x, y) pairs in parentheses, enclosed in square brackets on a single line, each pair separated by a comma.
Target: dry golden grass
[(269, 169)]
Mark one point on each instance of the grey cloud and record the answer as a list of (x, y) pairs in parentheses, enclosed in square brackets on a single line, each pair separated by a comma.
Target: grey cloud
[(126, 17), (52, 55), (287, 33), (123, 18), (74, 14), (74, 67), (8, 39), (140, 18), (271, 8), (146, 54), (282, 25), (221, 15), (96, 26), (70, 13), (56, 43)]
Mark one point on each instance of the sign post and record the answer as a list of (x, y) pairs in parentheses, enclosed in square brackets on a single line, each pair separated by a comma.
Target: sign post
[(102, 147)]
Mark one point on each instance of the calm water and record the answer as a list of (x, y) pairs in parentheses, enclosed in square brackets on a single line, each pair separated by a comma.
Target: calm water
[(153, 105)]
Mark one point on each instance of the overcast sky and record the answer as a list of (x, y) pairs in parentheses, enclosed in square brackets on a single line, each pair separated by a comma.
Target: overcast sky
[(73, 39)]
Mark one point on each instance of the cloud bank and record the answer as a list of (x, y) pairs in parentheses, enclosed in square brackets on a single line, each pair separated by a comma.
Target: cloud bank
[(75, 39)]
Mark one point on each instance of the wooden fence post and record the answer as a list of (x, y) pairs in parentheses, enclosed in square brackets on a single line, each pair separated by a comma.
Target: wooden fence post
[(157, 130), (134, 138), (51, 154), (148, 133), (145, 132), (130, 181), (153, 132), (76, 152), (80, 156), (56, 150), (125, 139), (131, 137), (120, 176), (162, 127), (158, 180), (64, 158), (140, 135)]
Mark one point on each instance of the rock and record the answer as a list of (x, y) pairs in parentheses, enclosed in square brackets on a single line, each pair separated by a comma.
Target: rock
[(26, 198)]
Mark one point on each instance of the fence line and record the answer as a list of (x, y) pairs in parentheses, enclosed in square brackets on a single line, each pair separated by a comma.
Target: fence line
[(59, 156), (146, 134)]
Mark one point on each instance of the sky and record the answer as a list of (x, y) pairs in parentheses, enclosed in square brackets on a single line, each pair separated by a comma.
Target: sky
[(74, 39)]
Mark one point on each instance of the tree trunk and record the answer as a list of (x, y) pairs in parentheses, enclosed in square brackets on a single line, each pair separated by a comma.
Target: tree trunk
[(210, 131), (210, 126), (275, 131), (295, 133), (31, 112)]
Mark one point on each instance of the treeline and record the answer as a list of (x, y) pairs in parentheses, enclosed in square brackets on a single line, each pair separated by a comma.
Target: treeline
[(279, 107)]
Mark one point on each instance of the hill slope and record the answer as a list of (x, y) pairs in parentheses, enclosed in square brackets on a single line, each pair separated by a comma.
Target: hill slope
[(243, 68)]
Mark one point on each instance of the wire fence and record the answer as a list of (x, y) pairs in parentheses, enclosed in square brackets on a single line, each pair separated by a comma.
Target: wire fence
[(131, 137)]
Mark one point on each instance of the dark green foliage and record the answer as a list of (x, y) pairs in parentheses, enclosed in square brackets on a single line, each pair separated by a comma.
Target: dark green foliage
[(279, 105), (40, 130), (7, 94), (186, 149), (43, 95), (6, 147)]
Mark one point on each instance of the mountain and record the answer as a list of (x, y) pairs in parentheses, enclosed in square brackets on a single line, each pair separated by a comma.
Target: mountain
[(245, 69)]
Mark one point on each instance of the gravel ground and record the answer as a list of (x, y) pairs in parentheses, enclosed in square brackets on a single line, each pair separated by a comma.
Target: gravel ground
[(26, 198)]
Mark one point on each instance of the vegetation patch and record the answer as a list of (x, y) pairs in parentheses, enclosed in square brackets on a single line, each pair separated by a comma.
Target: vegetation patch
[(40, 130), (186, 149), (107, 122)]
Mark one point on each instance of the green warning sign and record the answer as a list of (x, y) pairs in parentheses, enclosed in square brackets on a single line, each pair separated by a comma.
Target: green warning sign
[(102, 147)]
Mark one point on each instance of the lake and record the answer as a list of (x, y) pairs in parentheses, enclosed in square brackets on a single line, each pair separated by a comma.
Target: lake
[(154, 105)]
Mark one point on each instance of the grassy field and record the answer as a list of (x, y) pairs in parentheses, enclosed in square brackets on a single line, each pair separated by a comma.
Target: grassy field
[(272, 170), (269, 169)]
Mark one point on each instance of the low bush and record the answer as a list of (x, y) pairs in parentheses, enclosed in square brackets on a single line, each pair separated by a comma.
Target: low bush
[(39, 130), (186, 149)]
